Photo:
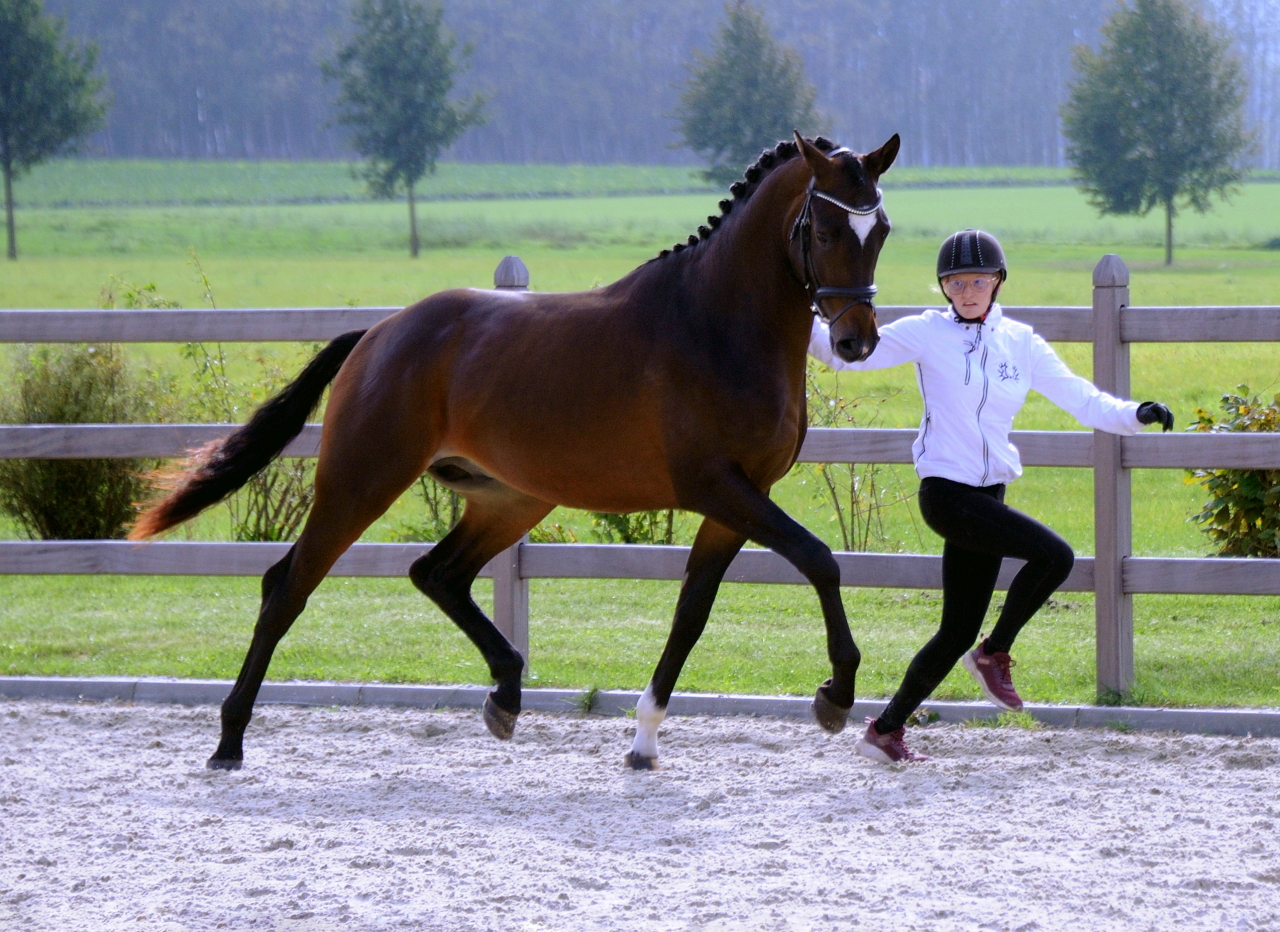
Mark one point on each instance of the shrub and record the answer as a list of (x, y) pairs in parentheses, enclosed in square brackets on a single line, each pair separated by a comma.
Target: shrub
[(857, 494), (552, 533), (443, 509), (640, 527), (120, 293), (1242, 515), (273, 504), (74, 499)]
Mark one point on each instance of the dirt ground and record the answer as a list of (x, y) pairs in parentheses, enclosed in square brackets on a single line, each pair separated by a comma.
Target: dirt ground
[(389, 819)]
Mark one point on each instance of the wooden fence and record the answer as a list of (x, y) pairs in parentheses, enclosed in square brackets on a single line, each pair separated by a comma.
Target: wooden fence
[(1113, 573)]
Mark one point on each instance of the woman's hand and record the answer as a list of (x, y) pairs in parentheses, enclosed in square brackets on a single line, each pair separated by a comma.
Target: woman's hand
[(1153, 412)]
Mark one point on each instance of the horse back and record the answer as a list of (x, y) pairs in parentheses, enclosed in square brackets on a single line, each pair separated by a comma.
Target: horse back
[(592, 399)]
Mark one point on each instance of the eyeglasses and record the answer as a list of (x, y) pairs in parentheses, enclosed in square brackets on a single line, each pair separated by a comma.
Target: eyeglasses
[(954, 286)]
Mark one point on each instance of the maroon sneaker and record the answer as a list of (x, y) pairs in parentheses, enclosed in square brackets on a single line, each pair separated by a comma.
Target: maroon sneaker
[(992, 673), (887, 749)]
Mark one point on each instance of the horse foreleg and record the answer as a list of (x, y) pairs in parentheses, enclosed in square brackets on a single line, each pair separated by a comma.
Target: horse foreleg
[(729, 498), (713, 550), (445, 574)]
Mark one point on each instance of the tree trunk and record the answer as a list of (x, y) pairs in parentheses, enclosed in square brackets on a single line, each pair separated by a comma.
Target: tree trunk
[(413, 225), (8, 209), (1168, 232)]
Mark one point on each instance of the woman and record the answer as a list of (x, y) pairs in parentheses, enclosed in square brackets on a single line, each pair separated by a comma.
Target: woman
[(974, 368)]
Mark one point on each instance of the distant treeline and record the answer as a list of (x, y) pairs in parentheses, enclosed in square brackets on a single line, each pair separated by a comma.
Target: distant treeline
[(596, 81)]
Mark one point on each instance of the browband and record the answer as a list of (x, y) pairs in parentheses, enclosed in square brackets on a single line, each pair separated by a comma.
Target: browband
[(860, 211)]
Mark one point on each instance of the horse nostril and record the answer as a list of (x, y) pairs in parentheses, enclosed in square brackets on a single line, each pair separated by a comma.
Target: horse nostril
[(848, 350)]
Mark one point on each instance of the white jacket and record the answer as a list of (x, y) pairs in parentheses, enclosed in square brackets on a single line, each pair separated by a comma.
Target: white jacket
[(973, 378)]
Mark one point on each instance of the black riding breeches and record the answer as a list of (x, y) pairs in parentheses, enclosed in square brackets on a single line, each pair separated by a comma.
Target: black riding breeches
[(979, 530)]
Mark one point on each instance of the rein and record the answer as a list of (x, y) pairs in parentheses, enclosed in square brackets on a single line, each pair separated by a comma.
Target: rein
[(817, 291)]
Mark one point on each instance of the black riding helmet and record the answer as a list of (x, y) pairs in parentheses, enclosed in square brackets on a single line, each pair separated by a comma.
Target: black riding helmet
[(971, 251)]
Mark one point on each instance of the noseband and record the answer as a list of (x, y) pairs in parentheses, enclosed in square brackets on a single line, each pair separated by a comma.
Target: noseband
[(804, 229)]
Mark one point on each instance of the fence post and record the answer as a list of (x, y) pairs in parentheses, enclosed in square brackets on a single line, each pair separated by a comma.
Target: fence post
[(511, 274), (511, 598), (1112, 505), (510, 589)]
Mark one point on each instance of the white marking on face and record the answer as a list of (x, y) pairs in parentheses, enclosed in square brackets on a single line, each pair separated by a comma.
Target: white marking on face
[(648, 718), (862, 224)]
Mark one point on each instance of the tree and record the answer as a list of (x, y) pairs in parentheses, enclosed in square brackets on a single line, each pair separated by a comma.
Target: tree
[(1157, 116), (395, 77), (749, 94), (48, 94)]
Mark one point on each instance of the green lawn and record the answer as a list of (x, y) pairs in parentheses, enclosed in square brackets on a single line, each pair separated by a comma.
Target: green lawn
[(134, 182), (608, 634), (762, 639), (138, 182)]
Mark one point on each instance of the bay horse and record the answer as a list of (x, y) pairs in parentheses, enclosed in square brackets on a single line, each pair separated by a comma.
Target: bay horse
[(681, 385)]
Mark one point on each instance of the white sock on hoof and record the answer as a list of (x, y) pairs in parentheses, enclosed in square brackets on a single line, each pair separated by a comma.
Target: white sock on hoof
[(648, 717)]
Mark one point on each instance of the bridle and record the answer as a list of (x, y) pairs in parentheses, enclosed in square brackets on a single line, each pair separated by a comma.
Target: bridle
[(818, 292)]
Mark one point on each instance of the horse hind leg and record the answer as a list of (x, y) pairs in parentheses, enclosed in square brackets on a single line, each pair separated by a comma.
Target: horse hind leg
[(713, 550), (335, 522), (282, 603), (491, 522)]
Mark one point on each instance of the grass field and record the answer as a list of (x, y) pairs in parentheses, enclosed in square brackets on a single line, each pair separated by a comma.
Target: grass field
[(762, 639), (136, 182), (608, 634), (139, 182), (309, 255)]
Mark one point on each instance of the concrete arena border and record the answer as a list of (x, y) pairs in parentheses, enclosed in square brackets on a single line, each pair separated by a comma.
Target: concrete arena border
[(1257, 723)]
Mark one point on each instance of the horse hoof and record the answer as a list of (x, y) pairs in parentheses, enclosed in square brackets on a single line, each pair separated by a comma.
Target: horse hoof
[(831, 717), (223, 763), (640, 761), (500, 722)]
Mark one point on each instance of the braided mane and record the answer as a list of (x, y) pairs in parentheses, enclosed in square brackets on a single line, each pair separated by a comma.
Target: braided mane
[(755, 173)]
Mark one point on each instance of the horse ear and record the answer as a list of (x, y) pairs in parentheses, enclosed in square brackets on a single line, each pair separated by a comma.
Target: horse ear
[(878, 162), (818, 163)]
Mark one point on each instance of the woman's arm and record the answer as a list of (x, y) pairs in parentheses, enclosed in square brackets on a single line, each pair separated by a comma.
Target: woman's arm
[(1079, 397), (900, 342)]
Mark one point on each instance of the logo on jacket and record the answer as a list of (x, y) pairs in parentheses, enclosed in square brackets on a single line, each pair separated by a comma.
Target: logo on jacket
[(1007, 372)]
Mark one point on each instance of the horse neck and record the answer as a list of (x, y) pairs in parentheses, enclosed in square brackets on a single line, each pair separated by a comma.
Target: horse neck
[(743, 272)]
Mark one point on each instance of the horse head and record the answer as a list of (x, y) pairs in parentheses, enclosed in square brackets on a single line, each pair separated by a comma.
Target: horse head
[(839, 228)]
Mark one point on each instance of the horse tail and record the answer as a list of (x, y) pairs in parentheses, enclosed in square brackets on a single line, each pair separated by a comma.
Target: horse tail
[(219, 468)]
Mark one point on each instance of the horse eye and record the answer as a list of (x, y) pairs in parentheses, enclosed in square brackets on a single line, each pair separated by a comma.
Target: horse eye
[(823, 238)]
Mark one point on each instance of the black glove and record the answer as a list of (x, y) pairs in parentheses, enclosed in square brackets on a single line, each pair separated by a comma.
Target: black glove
[(1153, 412)]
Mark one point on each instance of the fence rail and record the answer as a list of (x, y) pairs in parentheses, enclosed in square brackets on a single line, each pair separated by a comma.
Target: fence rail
[(1142, 575), (822, 445), (1113, 574), (268, 325)]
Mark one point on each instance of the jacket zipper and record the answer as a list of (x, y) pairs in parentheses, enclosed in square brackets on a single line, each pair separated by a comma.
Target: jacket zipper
[(982, 364), (928, 418)]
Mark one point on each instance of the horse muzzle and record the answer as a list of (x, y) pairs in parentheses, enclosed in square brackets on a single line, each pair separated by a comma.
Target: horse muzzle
[(857, 347)]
